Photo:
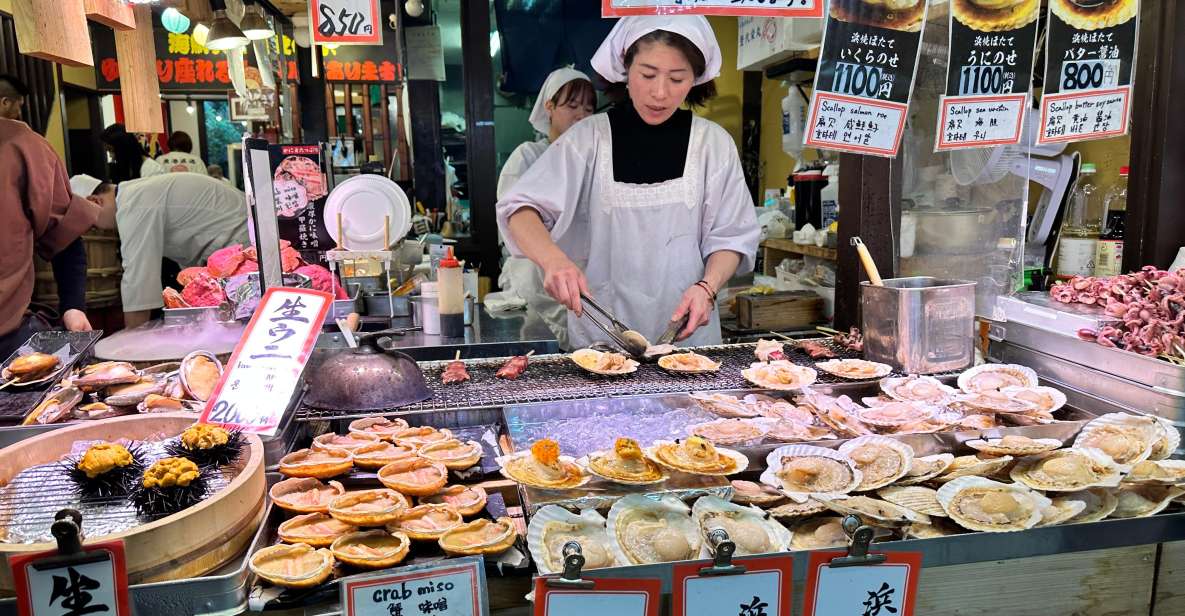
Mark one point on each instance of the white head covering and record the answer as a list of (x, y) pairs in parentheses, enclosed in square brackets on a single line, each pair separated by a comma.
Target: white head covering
[(84, 185), (609, 60), (558, 78)]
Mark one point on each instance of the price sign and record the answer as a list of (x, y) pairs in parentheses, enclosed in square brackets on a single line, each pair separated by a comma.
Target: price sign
[(94, 582), (1088, 72), (887, 589), (766, 8), (455, 587), (346, 22), (265, 368), (625, 597), (865, 77), (763, 590)]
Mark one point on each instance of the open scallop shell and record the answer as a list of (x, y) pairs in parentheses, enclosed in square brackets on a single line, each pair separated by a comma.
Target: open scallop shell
[(896, 413), (1157, 472), (775, 463), (647, 531), (1047, 399), (200, 372), (794, 511), (752, 493), (789, 431), (724, 405), (512, 467), (728, 461), (990, 402), (1141, 501), (1061, 509), (305, 495), (891, 463), (1032, 502), (292, 566), (590, 360), (688, 363), (818, 533), (915, 498), (876, 512), (1100, 503), (552, 526), (926, 468), (1014, 445), (854, 369), (780, 375), (972, 466), (733, 431), (1169, 441), (936, 529), (645, 471), (917, 388), (991, 377), (1128, 439), (1101, 471), (749, 528)]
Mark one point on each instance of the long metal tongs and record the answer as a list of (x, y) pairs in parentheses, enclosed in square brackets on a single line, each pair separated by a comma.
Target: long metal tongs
[(621, 335)]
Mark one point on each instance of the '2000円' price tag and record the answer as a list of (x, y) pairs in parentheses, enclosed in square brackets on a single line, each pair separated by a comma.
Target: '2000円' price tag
[(94, 582), (886, 589)]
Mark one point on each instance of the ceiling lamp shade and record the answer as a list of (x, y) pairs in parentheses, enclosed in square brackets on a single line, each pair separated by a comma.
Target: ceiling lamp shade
[(201, 34), (255, 25), (224, 34), (174, 21)]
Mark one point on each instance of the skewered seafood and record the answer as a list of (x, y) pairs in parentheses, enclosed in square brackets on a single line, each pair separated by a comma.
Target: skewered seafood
[(454, 372), (852, 341), (815, 350), (514, 367), (31, 367)]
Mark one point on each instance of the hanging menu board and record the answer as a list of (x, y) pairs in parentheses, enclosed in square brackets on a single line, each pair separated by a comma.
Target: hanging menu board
[(865, 76), (1089, 52), (989, 71), (765, 8), (300, 184)]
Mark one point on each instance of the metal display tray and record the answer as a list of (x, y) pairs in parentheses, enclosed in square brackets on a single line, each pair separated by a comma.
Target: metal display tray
[(1037, 309), (1142, 369)]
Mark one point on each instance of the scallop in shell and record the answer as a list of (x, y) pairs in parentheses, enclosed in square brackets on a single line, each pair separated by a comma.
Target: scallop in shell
[(822, 532), (1140, 501), (780, 375), (604, 363), (1100, 503), (724, 405), (200, 372), (917, 388), (1061, 509), (881, 460), (688, 363), (553, 526), (1046, 399), (752, 493), (698, 456), (787, 431), (993, 377), (1157, 472), (749, 528), (936, 529), (993, 402), (1128, 439), (973, 466), (803, 471), (1014, 445), (855, 369), (779, 409), (926, 468), (795, 511), (732, 431), (1067, 470), (645, 531), (626, 463), (977, 503), (542, 466), (896, 413), (876, 512), (915, 498), (1169, 441)]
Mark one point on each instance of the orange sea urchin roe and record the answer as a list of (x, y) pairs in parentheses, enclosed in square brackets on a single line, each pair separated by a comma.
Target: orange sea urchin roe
[(204, 436), (103, 457), (546, 451), (627, 449), (170, 472)]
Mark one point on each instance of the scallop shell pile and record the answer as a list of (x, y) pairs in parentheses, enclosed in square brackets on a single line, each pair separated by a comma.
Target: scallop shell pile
[(552, 527), (802, 472), (646, 531), (749, 528)]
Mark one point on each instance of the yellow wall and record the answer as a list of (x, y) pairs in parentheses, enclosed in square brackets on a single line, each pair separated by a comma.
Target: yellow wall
[(1108, 155), (725, 109)]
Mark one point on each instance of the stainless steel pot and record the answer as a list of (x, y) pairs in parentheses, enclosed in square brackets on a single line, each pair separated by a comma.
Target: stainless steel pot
[(366, 378)]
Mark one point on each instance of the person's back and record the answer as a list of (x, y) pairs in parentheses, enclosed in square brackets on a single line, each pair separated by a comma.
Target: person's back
[(180, 157)]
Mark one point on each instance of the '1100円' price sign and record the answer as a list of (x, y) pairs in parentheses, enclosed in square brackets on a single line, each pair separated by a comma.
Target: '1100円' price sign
[(455, 587), (989, 71), (1088, 70), (265, 368), (886, 589), (93, 582), (865, 76)]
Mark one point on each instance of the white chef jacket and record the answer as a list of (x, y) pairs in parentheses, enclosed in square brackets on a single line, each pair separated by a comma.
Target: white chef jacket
[(181, 161), (149, 168), (640, 246), (182, 216), (519, 161)]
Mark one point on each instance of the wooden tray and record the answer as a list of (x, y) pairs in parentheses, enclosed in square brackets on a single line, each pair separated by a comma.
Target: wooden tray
[(186, 544)]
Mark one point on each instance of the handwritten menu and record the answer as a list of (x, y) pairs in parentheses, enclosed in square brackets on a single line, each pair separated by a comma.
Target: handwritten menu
[(1089, 53), (767, 8), (449, 588), (887, 589), (865, 76)]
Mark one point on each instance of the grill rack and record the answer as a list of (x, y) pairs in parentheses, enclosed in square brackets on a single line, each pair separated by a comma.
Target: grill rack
[(552, 378)]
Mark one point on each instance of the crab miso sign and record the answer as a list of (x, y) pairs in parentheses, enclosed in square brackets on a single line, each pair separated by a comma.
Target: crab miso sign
[(454, 587), (886, 589), (266, 365), (865, 77), (763, 8), (1089, 52), (346, 22)]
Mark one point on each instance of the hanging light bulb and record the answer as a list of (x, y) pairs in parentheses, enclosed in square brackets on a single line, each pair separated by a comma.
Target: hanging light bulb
[(174, 21), (255, 24), (224, 34), (201, 34), (414, 8), (190, 109)]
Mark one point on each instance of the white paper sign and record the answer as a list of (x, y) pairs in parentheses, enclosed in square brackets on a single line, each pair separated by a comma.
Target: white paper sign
[(425, 53), (609, 597), (855, 124), (976, 121), (857, 590), (264, 371), (346, 22), (753, 593), (449, 588), (87, 586), (1074, 116), (773, 8)]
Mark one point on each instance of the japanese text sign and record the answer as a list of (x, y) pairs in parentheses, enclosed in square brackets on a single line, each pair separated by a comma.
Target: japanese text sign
[(763, 590), (766, 8), (619, 597), (455, 587), (95, 582), (865, 76), (346, 22), (1088, 70), (265, 368), (887, 589), (989, 71)]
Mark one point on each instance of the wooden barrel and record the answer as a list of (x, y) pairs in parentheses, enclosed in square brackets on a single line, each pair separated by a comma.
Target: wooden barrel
[(104, 270)]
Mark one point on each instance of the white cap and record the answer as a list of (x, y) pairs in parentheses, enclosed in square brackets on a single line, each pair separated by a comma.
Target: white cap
[(84, 185), (540, 119), (609, 60)]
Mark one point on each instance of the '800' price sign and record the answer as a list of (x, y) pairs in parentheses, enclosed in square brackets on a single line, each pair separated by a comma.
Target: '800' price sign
[(265, 369)]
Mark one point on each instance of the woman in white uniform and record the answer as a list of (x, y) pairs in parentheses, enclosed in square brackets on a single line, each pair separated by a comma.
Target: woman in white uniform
[(644, 208), (567, 97)]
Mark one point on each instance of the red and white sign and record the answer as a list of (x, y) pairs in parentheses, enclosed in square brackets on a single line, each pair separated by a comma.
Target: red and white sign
[(624, 597), (764, 588), (887, 589), (1077, 115), (765, 8), (346, 22), (449, 588), (855, 124), (265, 368), (980, 121), (96, 584)]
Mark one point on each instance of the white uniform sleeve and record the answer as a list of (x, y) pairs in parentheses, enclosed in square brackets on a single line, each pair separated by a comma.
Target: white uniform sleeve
[(514, 167), (149, 168), (730, 221), (141, 235)]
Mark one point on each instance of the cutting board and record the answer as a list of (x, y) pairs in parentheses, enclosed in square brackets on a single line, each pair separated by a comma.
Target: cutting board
[(779, 311)]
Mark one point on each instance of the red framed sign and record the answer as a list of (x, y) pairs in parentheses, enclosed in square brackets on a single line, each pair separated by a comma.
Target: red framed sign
[(623, 597), (452, 587), (1078, 116), (855, 124), (94, 582), (763, 8), (764, 588), (886, 589), (346, 22), (980, 121)]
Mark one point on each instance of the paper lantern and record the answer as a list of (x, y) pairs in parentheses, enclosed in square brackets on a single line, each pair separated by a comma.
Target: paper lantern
[(174, 21)]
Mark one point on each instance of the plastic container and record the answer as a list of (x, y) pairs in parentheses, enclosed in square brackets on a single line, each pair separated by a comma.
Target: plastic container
[(451, 304), (829, 196), (429, 309)]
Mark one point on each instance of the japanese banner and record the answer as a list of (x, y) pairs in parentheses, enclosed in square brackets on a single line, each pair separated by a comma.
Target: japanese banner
[(266, 365), (865, 77), (765, 8), (346, 22), (1089, 52), (886, 589), (989, 71), (94, 582), (454, 587), (763, 590)]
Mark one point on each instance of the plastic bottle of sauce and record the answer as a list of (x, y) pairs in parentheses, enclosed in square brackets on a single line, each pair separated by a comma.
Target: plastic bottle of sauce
[(451, 286)]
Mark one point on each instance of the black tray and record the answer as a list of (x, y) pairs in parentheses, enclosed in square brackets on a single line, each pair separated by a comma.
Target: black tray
[(16, 401)]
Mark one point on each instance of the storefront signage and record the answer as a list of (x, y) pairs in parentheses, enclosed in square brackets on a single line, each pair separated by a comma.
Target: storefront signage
[(618, 597), (989, 71), (300, 185), (768, 8), (346, 22), (1088, 70), (886, 589), (265, 368), (865, 77), (764, 589), (455, 587), (94, 582)]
